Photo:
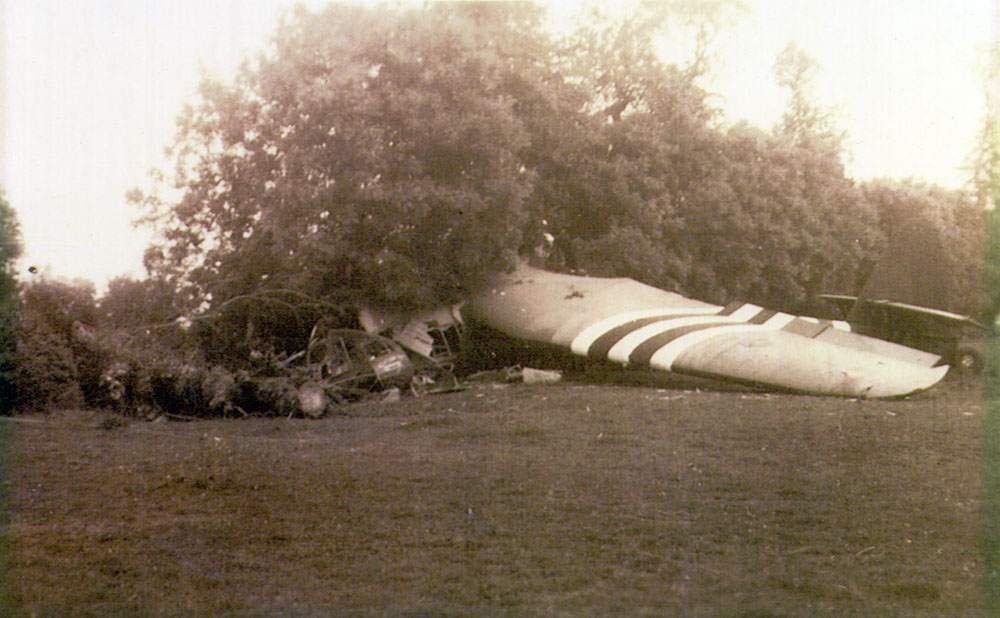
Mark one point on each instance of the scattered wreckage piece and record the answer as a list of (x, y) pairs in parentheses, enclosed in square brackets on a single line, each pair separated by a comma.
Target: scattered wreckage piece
[(345, 365), (337, 366), (516, 373), (434, 337), (631, 323)]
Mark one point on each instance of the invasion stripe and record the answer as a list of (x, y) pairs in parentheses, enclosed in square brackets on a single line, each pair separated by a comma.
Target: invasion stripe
[(659, 336), (599, 349), (806, 328), (582, 342), (731, 308), (618, 342), (743, 312), (838, 324), (779, 321), (664, 357), (622, 350), (643, 353), (762, 317)]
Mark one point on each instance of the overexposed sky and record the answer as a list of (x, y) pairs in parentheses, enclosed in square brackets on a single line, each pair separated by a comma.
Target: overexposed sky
[(91, 92), (902, 75), (91, 89)]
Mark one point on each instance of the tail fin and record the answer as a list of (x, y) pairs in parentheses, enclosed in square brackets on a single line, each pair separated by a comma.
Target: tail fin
[(915, 269)]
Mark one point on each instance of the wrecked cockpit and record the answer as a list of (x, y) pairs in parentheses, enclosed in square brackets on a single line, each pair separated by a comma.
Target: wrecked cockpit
[(343, 365), (435, 338)]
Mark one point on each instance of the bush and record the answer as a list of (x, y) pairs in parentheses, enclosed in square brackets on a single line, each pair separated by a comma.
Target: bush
[(54, 368), (47, 373)]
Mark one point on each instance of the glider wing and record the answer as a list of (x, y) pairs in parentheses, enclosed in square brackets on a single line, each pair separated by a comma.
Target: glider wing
[(631, 323)]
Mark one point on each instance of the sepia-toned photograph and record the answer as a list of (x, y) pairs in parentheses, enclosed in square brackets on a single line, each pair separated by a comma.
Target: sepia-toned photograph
[(679, 308)]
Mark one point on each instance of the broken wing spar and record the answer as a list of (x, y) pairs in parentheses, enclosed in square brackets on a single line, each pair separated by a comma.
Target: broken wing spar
[(631, 323)]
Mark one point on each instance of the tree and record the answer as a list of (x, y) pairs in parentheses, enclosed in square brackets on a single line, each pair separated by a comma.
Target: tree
[(401, 156), (610, 171), (953, 224), (792, 225), (656, 191), (984, 161), (132, 303), (645, 184), (991, 278), (56, 369), (984, 165), (10, 250), (370, 155), (804, 123)]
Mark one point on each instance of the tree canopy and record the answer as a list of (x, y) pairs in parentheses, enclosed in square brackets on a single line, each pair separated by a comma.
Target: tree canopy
[(369, 153), (400, 156)]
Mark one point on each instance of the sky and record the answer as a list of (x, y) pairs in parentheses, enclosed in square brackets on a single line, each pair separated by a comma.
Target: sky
[(91, 90)]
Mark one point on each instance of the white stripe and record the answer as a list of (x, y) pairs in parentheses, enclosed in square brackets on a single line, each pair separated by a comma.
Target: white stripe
[(664, 357), (582, 342), (745, 312), (621, 351), (778, 321), (841, 325), (775, 322)]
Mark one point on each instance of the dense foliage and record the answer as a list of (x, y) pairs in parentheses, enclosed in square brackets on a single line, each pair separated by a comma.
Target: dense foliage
[(940, 231), (132, 303), (991, 261), (398, 156), (985, 164), (371, 153), (9, 251), (54, 368)]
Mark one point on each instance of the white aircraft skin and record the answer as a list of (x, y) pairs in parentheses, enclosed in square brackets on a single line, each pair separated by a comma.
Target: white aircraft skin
[(630, 323)]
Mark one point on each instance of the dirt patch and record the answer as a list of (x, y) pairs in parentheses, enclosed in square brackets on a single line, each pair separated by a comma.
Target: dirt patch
[(508, 500)]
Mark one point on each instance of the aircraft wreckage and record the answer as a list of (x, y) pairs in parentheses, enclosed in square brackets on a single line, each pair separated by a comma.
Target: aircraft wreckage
[(604, 319), (627, 322)]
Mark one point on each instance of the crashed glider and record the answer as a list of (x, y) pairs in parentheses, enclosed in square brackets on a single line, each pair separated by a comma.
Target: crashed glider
[(631, 323)]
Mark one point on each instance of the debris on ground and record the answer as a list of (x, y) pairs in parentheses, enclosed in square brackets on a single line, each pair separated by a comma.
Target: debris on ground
[(540, 376), (514, 374)]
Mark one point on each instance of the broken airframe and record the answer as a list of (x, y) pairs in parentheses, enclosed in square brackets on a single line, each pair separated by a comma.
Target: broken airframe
[(631, 323)]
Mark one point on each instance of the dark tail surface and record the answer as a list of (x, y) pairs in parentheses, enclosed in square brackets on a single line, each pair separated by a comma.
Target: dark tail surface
[(915, 269)]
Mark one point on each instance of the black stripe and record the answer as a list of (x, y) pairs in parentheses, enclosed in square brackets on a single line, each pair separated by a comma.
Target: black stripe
[(806, 328), (763, 316), (645, 350), (599, 349), (731, 308)]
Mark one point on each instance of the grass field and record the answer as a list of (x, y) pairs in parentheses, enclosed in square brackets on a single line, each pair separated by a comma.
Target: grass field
[(562, 500)]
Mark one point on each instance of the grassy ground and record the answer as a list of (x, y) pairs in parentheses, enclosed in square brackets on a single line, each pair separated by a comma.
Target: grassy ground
[(570, 499)]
